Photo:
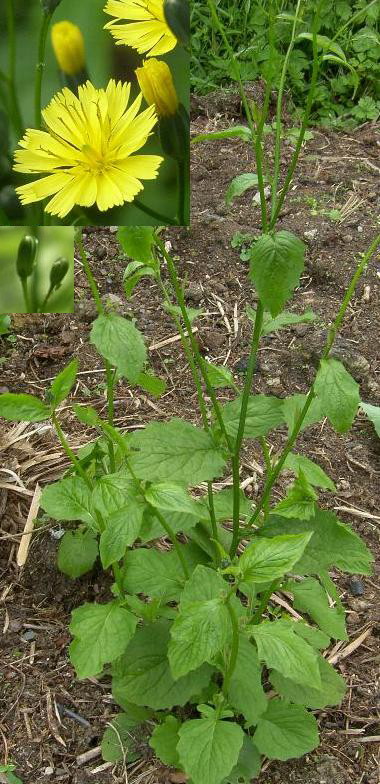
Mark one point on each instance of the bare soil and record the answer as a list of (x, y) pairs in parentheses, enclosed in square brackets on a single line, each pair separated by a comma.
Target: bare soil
[(37, 681)]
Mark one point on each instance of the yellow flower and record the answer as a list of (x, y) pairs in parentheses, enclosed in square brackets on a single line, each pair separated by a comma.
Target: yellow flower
[(88, 150), (68, 45), (157, 86), (145, 27)]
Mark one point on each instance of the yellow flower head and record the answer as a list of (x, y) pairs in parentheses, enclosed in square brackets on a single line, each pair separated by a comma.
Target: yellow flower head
[(87, 150), (140, 24), (68, 45), (157, 86)]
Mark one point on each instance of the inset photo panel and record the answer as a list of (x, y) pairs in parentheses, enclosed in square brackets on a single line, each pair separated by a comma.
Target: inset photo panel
[(94, 112), (36, 270)]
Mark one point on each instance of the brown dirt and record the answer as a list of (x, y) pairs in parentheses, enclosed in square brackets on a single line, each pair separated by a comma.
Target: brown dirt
[(36, 602)]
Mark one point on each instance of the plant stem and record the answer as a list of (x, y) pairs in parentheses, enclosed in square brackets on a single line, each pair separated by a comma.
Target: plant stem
[(40, 68), (234, 649), (305, 120), (240, 434), (15, 111), (171, 535), (194, 346), (164, 220), (280, 97), (201, 402), (272, 478), (110, 373), (69, 452), (41, 309), (24, 284), (184, 189), (264, 601), (256, 136)]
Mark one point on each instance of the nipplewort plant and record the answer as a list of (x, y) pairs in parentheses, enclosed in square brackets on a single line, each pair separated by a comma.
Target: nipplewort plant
[(197, 655)]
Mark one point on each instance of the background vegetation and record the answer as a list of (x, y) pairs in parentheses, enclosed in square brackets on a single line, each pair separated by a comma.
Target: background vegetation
[(346, 96)]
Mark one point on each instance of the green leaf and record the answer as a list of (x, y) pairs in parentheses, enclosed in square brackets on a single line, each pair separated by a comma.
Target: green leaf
[(276, 266), (154, 385), (284, 319), (204, 584), (246, 693), (209, 748), (310, 597), (323, 42), (23, 408), (113, 492), (240, 185), (264, 412), (118, 742), (153, 572), (279, 647), (164, 741), (268, 559), (338, 393), (69, 499), (312, 635), (312, 472), (63, 383), (299, 500), (248, 765), (333, 544), (236, 131), (218, 375), (175, 310), (292, 407), (137, 242), (373, 413), (102, 633), (286, 731), (143, 674), (133, 274), (77, 552), (122, 530), (198, 633), (172, 497), (175, 450), (332, 691), (118, 341), (87, 415)]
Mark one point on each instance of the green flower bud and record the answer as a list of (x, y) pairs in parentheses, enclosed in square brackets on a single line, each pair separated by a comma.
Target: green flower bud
[(26, 256), (49, 6), (58, 272), (177, 16)]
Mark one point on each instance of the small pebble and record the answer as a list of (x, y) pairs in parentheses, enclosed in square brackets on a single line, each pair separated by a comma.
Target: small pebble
[(100, 252), (29, 635), (48, 771), (310, 234), (356, 586)]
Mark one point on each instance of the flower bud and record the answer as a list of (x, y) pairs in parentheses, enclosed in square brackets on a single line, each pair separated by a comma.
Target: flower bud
[(26, 256), (157, 87), (177, 16), (58, 272), (68, 45), (49, 6)]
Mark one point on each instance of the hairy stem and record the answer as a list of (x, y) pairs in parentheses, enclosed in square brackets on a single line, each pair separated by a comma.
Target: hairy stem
[(194, 346), (240, 434), (69, 452), (234, 648), (164, 220), (25, 291), (273, 476), (184, 189), (264, 601), (280, 97), (110, 372)]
